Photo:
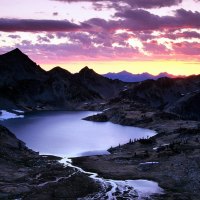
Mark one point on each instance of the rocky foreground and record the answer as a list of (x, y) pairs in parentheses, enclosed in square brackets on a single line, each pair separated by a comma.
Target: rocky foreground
[(171, 158), (25, 174)]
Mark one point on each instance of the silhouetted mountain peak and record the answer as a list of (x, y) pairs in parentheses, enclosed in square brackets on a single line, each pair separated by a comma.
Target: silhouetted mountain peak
[(86, 69), (98, 83), (87, 72), (17, 58), (16, 65), (17, 53), (124, 72), (59, 71)]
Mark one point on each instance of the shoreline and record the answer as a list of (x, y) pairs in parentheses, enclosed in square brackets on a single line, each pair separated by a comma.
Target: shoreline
[(171, 161), (45, 177), (24, 174), (123, 164), (59, 177)]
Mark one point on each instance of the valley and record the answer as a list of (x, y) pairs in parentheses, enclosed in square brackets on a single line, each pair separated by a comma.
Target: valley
[(168, 106)]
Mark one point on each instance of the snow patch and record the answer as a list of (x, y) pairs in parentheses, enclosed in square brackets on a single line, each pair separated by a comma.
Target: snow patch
[(4, 115), (106, 109), (145, 188), (18, 111), (163, 145)]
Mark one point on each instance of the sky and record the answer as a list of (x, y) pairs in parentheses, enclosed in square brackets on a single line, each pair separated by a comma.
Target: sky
[(106, 35)]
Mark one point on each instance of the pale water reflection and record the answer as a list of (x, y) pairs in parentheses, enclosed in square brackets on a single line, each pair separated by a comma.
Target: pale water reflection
[(66, 134)]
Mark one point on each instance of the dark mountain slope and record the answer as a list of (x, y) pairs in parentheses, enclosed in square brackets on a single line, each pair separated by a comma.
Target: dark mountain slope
[(175, 95), (60, 73), (24, 85), (15, 66), (66, 88), (106, 87), (188, 106)]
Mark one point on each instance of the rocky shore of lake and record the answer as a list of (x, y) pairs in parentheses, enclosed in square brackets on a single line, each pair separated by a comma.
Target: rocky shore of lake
[(170, 158), (24, 174)]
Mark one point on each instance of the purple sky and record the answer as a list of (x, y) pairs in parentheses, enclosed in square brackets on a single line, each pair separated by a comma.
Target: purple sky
[(133, 35)]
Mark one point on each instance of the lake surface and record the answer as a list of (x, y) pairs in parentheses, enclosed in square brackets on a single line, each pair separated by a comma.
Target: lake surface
[(64, 133)]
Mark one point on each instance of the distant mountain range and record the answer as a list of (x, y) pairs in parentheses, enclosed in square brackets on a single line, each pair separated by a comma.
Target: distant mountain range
[(129, 77)]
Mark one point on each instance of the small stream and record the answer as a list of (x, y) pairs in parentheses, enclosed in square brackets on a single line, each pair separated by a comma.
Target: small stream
[(64, 134), (118, 189)]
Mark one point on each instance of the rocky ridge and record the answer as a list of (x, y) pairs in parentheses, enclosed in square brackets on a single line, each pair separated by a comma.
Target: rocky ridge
[(25, 85)]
